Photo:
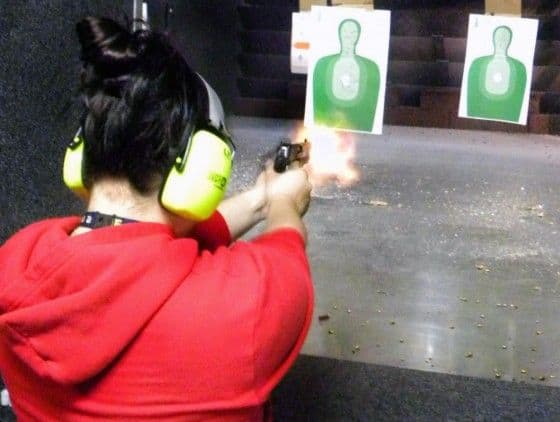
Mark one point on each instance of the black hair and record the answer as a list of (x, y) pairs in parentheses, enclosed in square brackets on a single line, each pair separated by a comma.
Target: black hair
[(139, 94)]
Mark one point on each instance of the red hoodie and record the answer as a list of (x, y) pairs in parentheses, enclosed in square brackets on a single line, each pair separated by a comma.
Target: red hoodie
[(131, 323)]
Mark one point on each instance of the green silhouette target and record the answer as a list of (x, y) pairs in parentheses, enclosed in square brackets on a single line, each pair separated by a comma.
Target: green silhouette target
[(346, 85), (497, 83)]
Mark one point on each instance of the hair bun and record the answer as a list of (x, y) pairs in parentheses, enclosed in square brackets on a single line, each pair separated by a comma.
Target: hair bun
[(109, 47), (154, 52)]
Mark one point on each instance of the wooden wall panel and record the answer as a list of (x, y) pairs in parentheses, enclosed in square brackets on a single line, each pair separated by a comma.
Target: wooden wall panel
[(503, 7)]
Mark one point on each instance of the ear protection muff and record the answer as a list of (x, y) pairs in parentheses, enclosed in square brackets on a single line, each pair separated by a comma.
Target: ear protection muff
[(74, 166), (197, 181), (198, 178)]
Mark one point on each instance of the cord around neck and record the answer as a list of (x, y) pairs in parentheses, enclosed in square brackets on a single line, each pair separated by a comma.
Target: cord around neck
[(95, 220)]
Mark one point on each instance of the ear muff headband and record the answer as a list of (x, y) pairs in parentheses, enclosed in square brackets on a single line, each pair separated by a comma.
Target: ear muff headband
[(198, 180)]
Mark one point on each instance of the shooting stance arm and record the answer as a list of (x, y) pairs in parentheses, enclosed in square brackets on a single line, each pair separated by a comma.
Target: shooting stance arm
[(244, 210)]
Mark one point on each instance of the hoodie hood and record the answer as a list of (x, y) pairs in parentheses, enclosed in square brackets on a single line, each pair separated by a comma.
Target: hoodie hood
[(70, 305)]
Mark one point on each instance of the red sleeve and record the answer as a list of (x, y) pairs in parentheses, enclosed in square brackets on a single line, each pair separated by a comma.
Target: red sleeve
[(212, 233), (286, 306)]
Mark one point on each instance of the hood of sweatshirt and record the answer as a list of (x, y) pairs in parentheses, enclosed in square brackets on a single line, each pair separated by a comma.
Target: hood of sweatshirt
[(69, 305)]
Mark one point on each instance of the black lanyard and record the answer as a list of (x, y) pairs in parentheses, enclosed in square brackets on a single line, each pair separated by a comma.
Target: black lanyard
[(95, 220)]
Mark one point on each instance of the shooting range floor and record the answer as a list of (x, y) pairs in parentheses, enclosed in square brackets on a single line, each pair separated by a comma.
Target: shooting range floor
[(440, 275)]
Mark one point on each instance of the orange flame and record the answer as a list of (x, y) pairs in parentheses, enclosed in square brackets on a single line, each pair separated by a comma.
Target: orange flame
[(331, 158)]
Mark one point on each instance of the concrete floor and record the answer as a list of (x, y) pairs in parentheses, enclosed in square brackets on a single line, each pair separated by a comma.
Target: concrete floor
[(459, 273)]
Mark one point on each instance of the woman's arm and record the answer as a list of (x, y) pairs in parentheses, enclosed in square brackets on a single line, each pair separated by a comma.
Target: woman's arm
[(244, 210)]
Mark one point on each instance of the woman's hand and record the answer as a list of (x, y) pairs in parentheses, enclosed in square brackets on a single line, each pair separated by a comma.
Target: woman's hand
[(292, 186), (287, 199)]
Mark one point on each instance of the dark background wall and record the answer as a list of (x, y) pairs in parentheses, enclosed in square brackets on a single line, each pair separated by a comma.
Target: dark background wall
[(206, 32), (39, 104)]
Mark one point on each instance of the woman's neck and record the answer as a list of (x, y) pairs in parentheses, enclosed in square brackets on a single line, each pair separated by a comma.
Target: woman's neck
[(118, 197), (115, 196)]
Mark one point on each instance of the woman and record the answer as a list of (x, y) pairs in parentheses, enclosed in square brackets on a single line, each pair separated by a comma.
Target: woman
[(138, 310)]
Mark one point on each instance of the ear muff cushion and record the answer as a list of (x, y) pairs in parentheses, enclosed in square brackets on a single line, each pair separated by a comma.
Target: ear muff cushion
[(73, 167), (195, 191)]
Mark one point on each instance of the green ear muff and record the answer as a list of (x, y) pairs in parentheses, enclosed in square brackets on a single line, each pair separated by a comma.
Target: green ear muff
[(73, 165), (197, 182)]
